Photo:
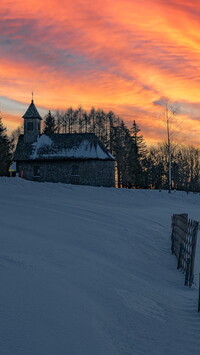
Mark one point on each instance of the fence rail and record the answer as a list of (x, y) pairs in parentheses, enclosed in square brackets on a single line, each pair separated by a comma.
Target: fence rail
[(184, 240)]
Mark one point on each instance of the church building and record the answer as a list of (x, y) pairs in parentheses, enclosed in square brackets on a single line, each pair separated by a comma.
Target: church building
[(74, 158)]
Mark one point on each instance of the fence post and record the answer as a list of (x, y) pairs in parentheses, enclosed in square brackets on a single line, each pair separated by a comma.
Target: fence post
[(172, 245), (180, 256), (199, 296), (172, 236), (187, 272), (194, 243), (183, 244)]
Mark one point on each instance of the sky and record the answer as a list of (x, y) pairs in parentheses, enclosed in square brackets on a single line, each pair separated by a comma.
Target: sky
[(120, 55)]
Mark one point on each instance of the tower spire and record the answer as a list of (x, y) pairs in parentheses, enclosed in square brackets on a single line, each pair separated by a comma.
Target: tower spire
[(32, 101), (32, 123)]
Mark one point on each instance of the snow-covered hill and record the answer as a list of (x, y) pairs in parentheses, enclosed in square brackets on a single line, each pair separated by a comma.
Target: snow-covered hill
[(88, 271)]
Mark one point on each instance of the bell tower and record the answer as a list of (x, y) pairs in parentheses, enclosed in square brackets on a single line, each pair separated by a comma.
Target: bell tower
[(32, 123)]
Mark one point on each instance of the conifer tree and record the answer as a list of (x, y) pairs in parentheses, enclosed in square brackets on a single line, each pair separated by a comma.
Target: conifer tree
[(49, 124), (5, 150), (120, 149), (136, 168)]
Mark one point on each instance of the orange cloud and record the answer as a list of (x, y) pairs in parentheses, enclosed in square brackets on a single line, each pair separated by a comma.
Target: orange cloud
[(120, 55)]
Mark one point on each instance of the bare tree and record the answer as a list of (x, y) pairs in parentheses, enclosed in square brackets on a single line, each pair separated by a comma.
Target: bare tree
[(169, 111), (15, 135)]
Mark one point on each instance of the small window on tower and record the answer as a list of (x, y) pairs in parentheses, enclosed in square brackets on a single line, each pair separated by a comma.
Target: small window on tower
[(75, 175), (36, 171), (30, 126)]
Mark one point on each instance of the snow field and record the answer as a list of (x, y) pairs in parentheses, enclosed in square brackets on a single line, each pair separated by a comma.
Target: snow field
[(88, 271)]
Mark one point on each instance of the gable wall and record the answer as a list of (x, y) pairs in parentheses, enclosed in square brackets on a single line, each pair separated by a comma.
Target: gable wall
[(82, 172)]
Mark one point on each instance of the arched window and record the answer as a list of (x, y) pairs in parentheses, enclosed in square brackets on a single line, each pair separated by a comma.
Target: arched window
[(75, 175), (75, 170)]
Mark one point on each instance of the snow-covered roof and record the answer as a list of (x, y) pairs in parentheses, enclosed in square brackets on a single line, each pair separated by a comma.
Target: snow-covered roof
[(62, 146)]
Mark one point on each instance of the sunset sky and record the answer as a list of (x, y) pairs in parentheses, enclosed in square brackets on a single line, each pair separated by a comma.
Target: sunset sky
[(120, 55)]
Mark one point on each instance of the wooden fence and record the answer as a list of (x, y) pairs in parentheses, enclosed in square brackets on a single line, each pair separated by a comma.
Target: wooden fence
[(184, 240)]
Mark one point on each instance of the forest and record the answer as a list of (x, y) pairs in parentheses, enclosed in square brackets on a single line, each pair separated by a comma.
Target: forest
[(137, 166)]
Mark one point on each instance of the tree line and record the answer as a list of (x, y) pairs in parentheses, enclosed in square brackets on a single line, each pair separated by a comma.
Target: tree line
[(137, 166), (6, 148)]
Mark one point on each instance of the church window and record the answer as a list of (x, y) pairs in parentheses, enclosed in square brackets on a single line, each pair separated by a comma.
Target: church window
[(36, 171), (75, 170), (75, 175)]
